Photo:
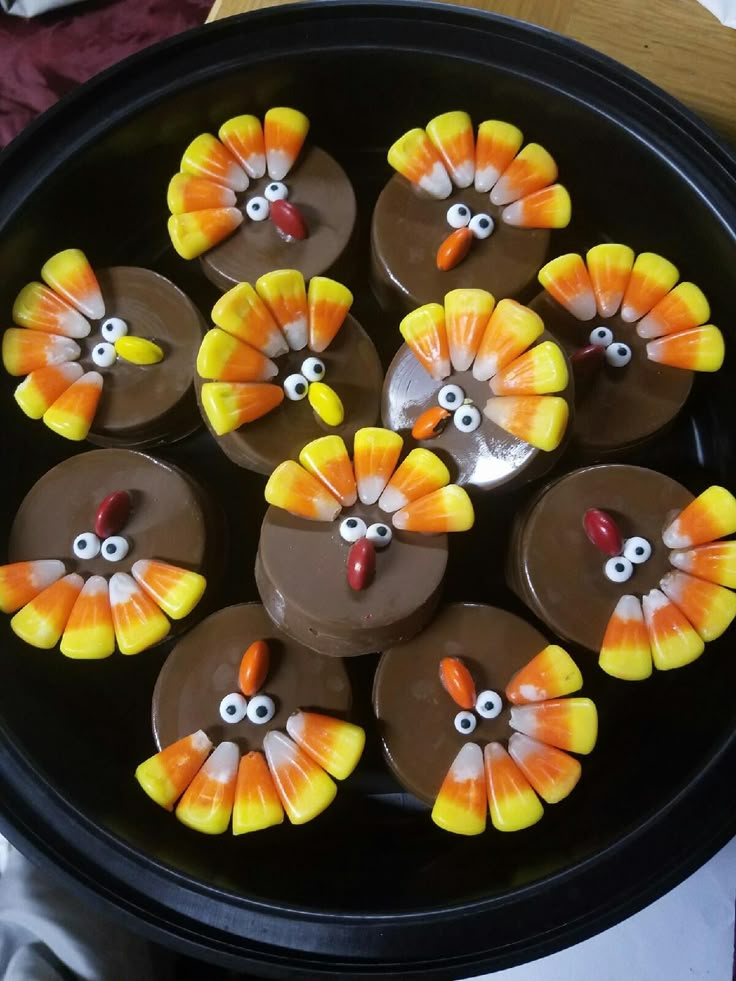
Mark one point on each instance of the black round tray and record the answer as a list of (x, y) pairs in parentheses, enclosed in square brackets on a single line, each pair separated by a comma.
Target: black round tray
[(372, 887)]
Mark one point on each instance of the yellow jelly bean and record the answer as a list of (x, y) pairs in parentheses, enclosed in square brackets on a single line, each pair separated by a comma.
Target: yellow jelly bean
[(326, 403), (138, 350)]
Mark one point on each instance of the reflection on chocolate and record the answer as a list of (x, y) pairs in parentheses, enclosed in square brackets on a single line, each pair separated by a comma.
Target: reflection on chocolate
[(558, 573), (203, 668), (621, 406), (408, 228), (321, 190), (415, 713)]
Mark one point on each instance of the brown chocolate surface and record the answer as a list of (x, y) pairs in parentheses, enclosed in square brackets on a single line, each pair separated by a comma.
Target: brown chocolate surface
[(486, 458), (352, 369), (409, 226), (415, 713), (301, 577), (321, 190), (622, 406), (145, 404), (555, 569), (203, 668)]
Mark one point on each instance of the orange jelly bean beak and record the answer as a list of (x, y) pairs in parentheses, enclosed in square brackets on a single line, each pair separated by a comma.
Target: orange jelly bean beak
[(430, 423), (454, 249)]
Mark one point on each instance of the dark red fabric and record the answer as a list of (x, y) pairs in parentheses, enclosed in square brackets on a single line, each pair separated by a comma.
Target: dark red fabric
[(43, 58)]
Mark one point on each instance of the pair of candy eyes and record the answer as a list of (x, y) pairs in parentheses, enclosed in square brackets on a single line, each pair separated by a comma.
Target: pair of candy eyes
[(465, 417), (296, 386), (112, 329), (88, 546), (353, 529), (620, 568), (259, 208), (460, 216), (488, 705), (617, 355), (234, 708)]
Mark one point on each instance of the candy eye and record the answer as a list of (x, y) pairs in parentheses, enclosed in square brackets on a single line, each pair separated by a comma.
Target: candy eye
[(352, 530), (257, 209), (313, 369), (618, 569), (103, 355), (601, 336), (296, 387), (637, 550), (481, 225), (379, 534), (451, 396), (276, 191), (86, 546), (467, 418), (115, 548), (618, 355), (113, 329), (261, 709), (489, 704), (233, 707), (465, 723), (458, 216)]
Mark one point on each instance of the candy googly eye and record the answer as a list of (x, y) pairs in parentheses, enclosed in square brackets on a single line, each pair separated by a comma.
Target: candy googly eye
[(313, 369), (465, 723), (276, 191), (86, 546), (261, 709), (379, 534), (637, 550), (618, 355), (489, 704), (113, 329), (296, 387), (618, 569), (114, 549), (450, 397), (258, 209), (459, 215), (233, 707), (601, 337), (352, 530), (104, 355), (467, 418), (481, 225)]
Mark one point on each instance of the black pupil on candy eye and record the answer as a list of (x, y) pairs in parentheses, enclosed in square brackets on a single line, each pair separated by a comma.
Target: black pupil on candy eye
[(300, 389), (82, 545), (110, 549), (261, 711), (382, 531), (256, 206), (483, 223), (639, 550), (465, 723), (619, 567), (462, 212), (467, 420), (451, 396), (230, 710), (352, 523), (488, 706)]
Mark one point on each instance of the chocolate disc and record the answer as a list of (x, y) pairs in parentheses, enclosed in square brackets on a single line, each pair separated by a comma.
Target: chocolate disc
[(407, 230), (203, 668), (323, 194), (415, 713), (556, 570)]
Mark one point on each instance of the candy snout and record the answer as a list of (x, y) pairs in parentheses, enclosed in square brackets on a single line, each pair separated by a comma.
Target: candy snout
[(454, 249), (361, 568), (326, 403), (288, 220), (431, 423), (586, 363)]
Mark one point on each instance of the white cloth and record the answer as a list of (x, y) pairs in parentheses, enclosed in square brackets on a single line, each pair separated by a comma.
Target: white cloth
[(724, 10), (31, 8)]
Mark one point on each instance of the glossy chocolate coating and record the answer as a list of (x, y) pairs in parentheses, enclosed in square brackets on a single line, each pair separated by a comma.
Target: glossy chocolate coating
[(409, 226), (323, 194), (142, 405), (555, 569), (203, 668), (302, 580), (486, 458), (622, 406), (415, 713), (352, 369)]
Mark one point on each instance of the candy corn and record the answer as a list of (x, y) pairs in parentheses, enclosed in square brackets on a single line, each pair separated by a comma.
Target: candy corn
[(710, 516), (42, 387), (609, 268), (305, 790), (551, 674), (194, 233), (708, 607), (444, 510), (327, 459), (625, 651), (539, 371), (682, 308), (549, 208), (166, 775), (328, 303), (225, 358), (229, 405), (467, 313), (460, 806), (39, 308), (540, 420), (21, 582), (284, 293), (457, 682), (652, 277), (24, 351), (699, 349), (496, 146), (375, 455), (70, 274), (532, 169), (715, 562), (566, 279), (673, 640), (295, 490), (424, 331), (452, 136), (207, 802), (41, 622), (177, 591), (89, 632), (72, 414), (336, 745), (567, 723), (257, 805), (207, 157), (138, 622), (511, 800), (419, 474), (510, 331), (253, 669), (242, 313), (413, 155), (552, 773), (243, 136), (284, 132), (187, 193)]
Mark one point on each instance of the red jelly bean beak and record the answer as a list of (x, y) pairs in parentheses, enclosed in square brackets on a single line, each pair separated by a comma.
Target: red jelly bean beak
[(288, 219), (603, 531), (361, 564), (454, 249), (586, 363), (112, 514)]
